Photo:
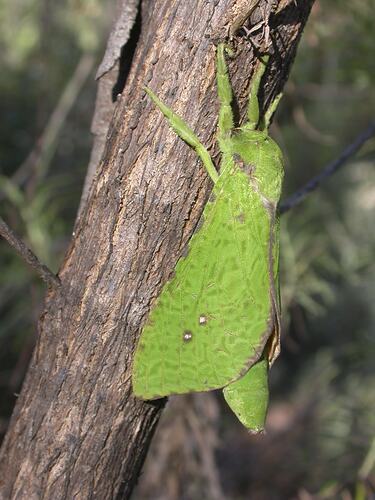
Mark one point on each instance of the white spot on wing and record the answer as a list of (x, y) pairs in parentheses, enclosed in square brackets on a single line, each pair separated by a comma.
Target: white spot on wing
[(187, 335), (202, 320)]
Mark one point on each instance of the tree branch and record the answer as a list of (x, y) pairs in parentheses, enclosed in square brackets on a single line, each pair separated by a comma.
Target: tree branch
[(329, 170), (28, 255)]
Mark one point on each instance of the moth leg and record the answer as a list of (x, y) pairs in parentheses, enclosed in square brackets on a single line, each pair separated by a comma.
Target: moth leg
[(224, 91), (248, 396), (270, 111), (253, 104), (184, 131)]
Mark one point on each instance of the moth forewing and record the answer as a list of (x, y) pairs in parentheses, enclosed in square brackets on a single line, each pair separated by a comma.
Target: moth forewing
[(220, 278)]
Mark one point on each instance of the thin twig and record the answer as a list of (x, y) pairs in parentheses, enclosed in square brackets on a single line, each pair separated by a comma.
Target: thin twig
[(28, 255), (330, 169), (369, 462)]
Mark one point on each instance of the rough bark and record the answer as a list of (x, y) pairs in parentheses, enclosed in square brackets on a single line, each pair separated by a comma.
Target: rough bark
[(77, 431), (111, 77)]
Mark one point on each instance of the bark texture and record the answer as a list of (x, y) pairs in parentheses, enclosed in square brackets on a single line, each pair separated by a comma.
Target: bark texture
[(77, 431), (111, 78)]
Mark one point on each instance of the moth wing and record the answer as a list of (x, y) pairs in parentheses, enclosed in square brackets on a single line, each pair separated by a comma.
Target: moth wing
[(248, 396), (273, 348), (212, 321)]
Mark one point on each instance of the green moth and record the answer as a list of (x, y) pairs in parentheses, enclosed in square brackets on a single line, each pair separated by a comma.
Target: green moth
[(216, 323)]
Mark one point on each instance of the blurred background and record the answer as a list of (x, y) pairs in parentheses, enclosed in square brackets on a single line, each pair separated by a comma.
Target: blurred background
[(320, 441)]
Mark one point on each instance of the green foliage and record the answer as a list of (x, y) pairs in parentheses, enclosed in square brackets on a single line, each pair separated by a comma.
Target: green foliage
[(41, 46), (25, 26), (327, 249)]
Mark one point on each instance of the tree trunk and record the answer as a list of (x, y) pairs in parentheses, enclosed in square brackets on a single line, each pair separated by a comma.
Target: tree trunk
[(77, 431)]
